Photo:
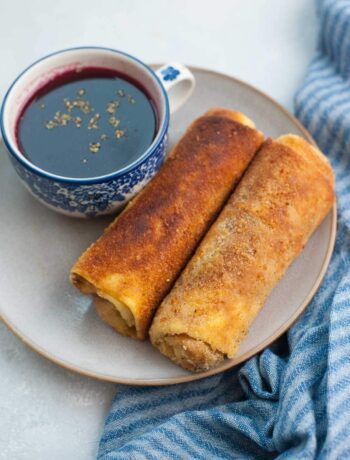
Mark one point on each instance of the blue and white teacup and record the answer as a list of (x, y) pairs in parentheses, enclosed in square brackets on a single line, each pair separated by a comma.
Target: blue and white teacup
[(169, 87)]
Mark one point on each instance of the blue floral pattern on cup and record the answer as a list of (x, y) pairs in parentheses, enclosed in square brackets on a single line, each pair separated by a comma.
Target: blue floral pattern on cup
[(170, 73), (92, 199), (93, 196)]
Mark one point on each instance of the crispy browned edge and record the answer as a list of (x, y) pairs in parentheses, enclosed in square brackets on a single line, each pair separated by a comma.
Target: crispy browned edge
[(196, 355)]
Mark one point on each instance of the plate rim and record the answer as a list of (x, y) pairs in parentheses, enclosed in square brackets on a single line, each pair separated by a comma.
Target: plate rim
[(229, 363)]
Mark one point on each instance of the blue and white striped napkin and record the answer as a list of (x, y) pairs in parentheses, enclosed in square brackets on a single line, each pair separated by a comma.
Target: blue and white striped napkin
[(292, 400)]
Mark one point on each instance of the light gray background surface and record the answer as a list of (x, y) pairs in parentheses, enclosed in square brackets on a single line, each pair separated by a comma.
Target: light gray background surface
[(46, 412)]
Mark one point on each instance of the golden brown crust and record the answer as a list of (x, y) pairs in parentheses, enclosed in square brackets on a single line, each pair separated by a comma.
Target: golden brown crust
[(284, 195), (137, 259)]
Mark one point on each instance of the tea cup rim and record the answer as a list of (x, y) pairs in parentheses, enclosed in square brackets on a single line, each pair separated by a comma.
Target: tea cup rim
[(162, 130)]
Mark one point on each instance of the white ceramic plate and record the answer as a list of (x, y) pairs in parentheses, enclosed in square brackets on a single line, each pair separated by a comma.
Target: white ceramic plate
[(38, 247)]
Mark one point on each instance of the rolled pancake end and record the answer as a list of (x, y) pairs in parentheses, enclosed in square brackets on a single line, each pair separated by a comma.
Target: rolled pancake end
[(189, 353), (111, 314), (115, 313), (233, 115)]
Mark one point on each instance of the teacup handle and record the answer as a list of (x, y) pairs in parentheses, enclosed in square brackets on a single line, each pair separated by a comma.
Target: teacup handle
[(178, 82)]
